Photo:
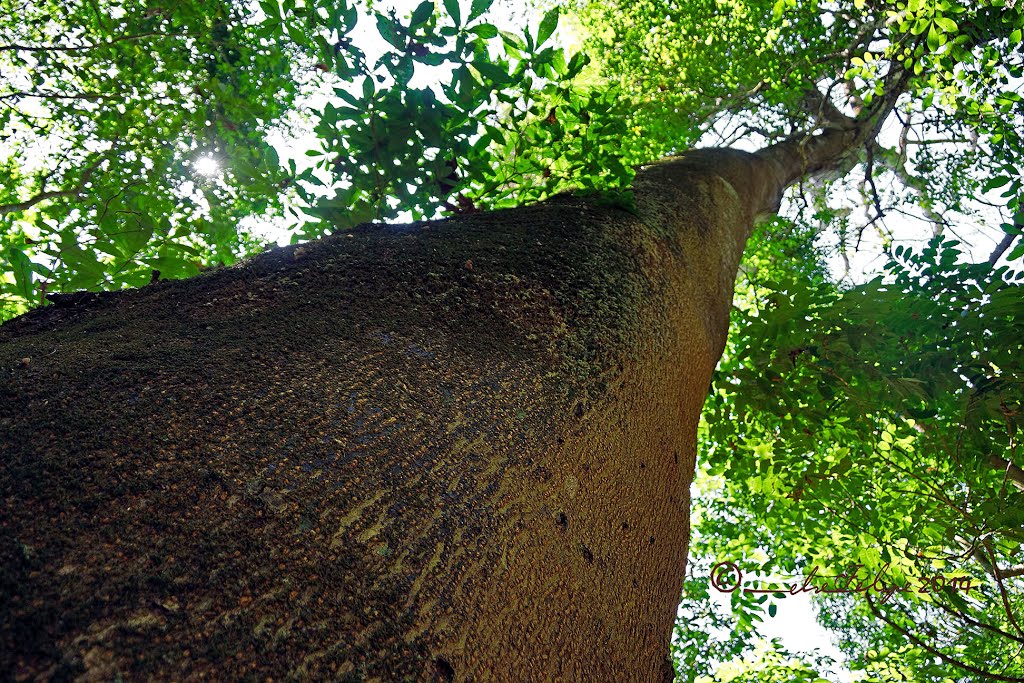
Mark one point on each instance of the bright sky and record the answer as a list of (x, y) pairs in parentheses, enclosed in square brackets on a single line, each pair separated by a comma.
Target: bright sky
[(794, 624)]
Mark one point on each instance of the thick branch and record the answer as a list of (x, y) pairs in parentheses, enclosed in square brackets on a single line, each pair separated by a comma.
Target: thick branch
[(1012, 472), (806, 155), (997, 253), (825, 112), (799, 157)]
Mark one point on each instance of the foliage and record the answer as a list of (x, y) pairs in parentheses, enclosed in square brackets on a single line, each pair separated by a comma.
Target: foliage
[(115, 105), (103, 108), (875, 427), (388, 147)]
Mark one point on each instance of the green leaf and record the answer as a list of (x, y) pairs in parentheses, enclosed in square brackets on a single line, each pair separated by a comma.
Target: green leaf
[(130, 234), (22, 268), (271, 8), (422, 13), (478, 7), (296, 34), (493, 75), (995, 183), (347, 96), (512, 40), (547, 26), (452, 7), (485, 31), (387, 30), (1017, 252), (576, 65)]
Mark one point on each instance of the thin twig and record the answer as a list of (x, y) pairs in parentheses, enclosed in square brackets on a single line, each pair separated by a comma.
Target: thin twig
[(51, 194), (1002, 588), (978, 624), (988, 675), (869, 175)]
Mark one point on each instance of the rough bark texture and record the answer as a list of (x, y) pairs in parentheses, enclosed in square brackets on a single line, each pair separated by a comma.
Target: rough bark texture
[(450, 451)]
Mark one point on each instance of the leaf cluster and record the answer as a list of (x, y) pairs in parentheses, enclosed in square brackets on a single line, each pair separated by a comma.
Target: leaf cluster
[(104, 108), (875, 428)]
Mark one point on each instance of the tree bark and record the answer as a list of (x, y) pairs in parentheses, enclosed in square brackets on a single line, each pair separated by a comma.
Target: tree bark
[(448, 451)]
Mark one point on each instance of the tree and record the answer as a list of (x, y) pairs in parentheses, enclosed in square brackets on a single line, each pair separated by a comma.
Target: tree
[(873, 424), (438, 441), (462, 450)]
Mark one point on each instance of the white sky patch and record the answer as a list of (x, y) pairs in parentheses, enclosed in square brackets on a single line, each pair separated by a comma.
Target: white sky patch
[(796, 627)]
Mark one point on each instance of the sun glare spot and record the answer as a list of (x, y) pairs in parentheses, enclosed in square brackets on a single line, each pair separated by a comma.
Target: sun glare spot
[(207, 166)]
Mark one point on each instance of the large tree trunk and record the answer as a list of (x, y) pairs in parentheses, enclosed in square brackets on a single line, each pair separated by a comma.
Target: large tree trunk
[(452, 451)]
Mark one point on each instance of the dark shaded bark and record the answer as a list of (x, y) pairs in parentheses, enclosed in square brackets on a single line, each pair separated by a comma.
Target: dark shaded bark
[(451, 451)]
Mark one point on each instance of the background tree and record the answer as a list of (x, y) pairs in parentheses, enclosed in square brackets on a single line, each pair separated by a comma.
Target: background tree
[(828, 388), (107, 109)]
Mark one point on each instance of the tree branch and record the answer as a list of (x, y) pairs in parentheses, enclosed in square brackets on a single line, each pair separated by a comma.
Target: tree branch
[(977, 624), (988, 675), (803, 155), (15, 47), (869, 176), (825, 112), (1013, 473), (51, 194), (997, 253), (1007, 608)]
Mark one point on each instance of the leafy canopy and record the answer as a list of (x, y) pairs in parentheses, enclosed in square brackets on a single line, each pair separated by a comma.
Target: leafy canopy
[(114, 107)]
